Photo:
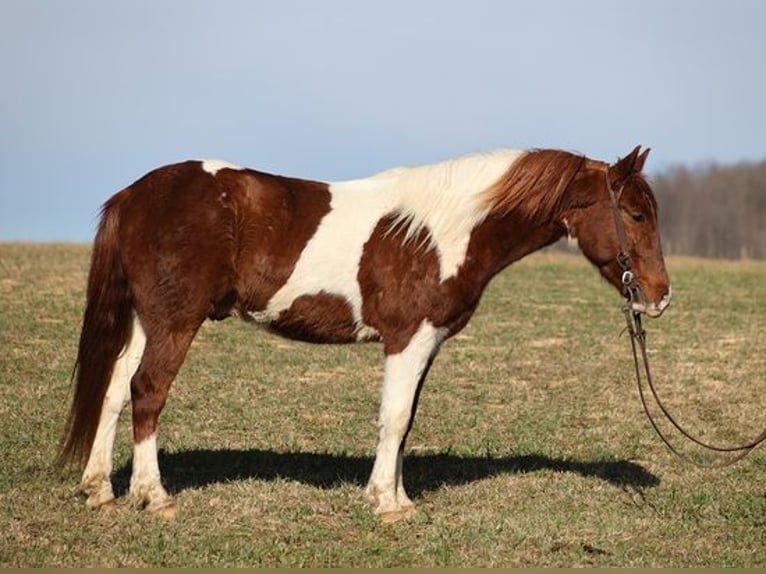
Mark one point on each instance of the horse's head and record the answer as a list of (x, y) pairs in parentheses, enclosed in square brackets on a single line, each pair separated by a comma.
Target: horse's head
[(605, 199)]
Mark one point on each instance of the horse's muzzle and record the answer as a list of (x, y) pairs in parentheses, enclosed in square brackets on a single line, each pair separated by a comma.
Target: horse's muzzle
[(653, 309)]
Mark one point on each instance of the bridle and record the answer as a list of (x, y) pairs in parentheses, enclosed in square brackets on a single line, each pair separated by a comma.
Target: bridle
[(630, 287), (632, 293)]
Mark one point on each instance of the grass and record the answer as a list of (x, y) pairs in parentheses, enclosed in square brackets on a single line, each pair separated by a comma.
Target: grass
[(530, 447)]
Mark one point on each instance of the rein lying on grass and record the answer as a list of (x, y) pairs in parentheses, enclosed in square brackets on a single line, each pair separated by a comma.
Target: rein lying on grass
[(638, 342)]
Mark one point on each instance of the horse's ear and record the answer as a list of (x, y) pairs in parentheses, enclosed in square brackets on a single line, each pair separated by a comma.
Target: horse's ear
[(641, 160), (627, 165)]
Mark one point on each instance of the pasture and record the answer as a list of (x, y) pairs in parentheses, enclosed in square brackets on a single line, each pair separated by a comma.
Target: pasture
[(530, 447)]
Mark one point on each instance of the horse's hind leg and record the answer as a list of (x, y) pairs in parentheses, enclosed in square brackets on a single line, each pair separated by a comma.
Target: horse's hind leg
[(165, 352), (96, 479)]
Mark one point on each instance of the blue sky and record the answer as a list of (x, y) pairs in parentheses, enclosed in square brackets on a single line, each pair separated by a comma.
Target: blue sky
[(96, 93)]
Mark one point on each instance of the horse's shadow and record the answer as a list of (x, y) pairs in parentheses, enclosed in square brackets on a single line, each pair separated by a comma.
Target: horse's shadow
[(422, 472)]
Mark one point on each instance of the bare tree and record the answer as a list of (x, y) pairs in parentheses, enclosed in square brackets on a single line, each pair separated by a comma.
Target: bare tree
[(713, 211)]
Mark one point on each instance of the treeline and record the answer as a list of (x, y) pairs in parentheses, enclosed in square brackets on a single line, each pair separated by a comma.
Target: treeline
[(713, 211)]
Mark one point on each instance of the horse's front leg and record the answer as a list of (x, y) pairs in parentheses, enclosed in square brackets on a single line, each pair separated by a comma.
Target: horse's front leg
[(404, 373)]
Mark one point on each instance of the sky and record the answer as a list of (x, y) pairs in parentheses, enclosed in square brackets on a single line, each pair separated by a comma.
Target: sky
[(95, 93)]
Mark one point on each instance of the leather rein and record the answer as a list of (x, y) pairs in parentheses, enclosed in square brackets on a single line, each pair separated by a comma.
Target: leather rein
[(632, 293)]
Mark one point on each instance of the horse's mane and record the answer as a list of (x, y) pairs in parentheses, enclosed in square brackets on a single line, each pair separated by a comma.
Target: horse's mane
[(445, 197), (534, 184)]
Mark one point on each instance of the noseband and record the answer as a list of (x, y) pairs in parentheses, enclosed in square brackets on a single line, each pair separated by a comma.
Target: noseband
[(632, 293)]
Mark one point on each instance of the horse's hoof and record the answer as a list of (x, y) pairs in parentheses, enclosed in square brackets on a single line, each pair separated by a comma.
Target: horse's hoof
[(108, 506), (99, 501), (167, 510), (393, 516)]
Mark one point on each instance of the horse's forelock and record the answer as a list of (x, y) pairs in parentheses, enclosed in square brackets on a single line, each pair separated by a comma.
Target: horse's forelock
[(645, 189)]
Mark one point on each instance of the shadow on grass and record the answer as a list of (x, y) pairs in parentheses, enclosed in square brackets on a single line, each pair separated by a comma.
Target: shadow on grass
[(422, 472)]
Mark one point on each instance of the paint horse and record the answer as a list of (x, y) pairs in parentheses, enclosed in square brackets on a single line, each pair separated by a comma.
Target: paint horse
[(401, 257)]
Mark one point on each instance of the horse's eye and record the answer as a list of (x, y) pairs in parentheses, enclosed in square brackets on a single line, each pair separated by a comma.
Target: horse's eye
[(638, 217)]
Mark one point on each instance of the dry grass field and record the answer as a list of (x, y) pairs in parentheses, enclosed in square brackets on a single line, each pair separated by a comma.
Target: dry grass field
[(530, 447)]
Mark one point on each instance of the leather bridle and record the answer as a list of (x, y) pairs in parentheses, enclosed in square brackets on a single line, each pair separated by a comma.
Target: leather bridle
[(632, 293), (630, 287)]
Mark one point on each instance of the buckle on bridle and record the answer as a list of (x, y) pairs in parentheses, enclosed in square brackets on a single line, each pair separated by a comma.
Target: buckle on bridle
[(628, 277), (623, 258)]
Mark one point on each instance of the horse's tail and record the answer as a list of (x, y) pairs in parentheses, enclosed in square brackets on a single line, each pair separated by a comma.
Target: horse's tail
[(106, 328)]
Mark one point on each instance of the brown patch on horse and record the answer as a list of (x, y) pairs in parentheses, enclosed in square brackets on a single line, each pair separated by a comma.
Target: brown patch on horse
[(317, 318), (401, 286), (177, 241), (392, 271), (274, 219), (534, 185)]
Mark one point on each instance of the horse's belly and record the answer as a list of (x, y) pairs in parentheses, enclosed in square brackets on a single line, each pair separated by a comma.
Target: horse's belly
[(320, 318)]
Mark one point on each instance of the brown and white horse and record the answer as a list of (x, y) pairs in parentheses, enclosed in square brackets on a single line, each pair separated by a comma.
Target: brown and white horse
[(401, 257)]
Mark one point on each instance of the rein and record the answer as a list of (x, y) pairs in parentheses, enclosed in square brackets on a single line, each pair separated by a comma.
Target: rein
[(632, 293)]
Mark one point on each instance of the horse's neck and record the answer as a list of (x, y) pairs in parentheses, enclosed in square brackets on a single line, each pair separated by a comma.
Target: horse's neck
[(500, 241)]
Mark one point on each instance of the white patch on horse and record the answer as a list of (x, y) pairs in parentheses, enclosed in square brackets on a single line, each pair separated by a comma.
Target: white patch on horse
[(145, 483), (330, 260), (444, 199), (213, 166), (367, 333), (96, 477)]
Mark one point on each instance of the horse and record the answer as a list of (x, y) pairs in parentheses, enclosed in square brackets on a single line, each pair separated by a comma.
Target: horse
[(401, 257)]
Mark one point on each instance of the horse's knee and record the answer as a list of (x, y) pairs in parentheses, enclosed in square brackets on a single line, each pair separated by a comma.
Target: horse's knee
[(394, 423)]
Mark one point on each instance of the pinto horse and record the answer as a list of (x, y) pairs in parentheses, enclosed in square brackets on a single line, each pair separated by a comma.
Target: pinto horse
[(401, 257)]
